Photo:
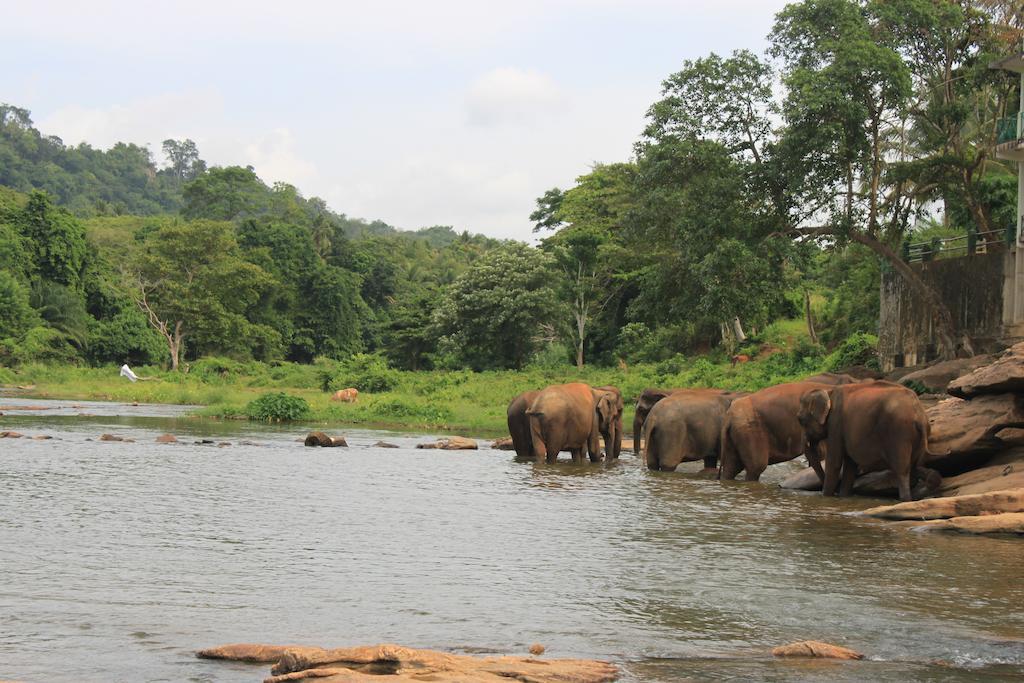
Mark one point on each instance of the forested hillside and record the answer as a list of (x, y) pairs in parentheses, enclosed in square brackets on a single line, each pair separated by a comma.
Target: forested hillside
[(764, 188)]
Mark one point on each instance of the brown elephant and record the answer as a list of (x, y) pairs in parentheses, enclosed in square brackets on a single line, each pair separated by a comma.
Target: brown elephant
[(614, 428), (519, 424), (571, 417), (648, 399), (762, 429), (686, 426), (833, 378), (867, 427)]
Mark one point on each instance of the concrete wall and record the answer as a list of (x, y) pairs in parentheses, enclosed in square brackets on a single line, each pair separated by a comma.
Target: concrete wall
[(971, 286)]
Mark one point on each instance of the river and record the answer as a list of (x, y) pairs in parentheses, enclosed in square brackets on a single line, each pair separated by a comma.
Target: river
[(119, 560)]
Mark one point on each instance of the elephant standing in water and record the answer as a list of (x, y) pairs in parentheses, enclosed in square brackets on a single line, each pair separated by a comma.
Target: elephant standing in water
[(519, 424), (762, 429), (571, 417), (686, 426), (613, 432), (649, 398), (867, 427)]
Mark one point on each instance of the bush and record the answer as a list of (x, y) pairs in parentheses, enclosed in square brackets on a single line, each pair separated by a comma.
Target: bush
[(40, 344), (915, 386), (366, 372), (125, 338), (278, 407), (860, 348)]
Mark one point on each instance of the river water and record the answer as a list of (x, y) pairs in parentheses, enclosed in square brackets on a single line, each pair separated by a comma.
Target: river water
[(119, 560)]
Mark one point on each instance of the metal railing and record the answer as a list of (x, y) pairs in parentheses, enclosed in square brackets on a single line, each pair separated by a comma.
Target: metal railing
[(1010, 129), (961, 245)]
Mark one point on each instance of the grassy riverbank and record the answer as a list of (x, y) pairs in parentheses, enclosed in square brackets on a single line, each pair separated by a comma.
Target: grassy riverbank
[(458, 400)]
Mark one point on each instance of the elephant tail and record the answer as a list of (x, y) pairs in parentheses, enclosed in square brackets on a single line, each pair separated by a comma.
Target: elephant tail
[(650, 437), (540, 449), (727, 455)]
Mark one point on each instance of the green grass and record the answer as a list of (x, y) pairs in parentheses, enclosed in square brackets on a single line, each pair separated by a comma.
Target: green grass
[(460, 400)]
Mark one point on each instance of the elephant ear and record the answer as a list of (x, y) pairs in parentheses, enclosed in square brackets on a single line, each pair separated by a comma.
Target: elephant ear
[(605, 408), (814, 408)]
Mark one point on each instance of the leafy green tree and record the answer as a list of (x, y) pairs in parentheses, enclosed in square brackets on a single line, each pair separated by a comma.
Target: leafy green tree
[(500, 311), (331, 316), (63, 309), (183, 159), (224, 194), (191, 282), (16, 314), (56, 240)]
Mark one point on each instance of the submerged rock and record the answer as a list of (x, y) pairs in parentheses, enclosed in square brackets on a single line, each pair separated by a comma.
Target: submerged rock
[(384, 444), (383, 663), (321, 439), (10, 435), (42, 437), (815, 648), (503, 444), (115, 437), (537, 649), (167, 438), (451, 443)]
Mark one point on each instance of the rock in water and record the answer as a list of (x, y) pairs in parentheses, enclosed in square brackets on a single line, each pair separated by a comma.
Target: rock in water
[(503, 444), (956, 506), (537, 649), (814, 648), (383, 663), (452, 443), (110, 437), (167, 438), (10, 435), (384, 444), (1005, 523), (321, 439)]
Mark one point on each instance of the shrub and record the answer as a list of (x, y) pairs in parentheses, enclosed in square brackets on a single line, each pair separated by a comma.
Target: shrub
[(860, 348), (366, 372), (278, 407), (915, 386), (40, 344), (125, 338)]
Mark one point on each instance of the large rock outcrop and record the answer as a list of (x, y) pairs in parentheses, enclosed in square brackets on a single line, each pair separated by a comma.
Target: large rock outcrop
[(1004, 375), (1005, 523), (996, 502), (384, 663), (965, 433), (936, 377)]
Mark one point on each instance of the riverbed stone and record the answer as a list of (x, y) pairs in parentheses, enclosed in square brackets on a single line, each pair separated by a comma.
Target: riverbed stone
[(167, 438), (324, 440), (1003, 523), (503, 444), (385, 444), (451, 443), (42, 437), (995, 502), (10, 435), (1003, 471), (816, 648), (115, 437), (1003, 375), (247, 652)]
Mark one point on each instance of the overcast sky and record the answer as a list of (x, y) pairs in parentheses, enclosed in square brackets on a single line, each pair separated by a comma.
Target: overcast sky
[(420, 113)]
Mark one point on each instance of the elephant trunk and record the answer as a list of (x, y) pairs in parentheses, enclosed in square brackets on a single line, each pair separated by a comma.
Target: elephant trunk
[(638, 425)]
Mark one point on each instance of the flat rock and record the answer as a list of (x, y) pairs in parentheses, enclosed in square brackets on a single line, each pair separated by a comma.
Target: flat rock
[(324, 440), (167, 438), (955, 506), (815, 648), (1005, 523), (247, 652), (451, 443), (936, 377), (503, 444), (965, 433), (42, 437), (384, 444), (1004, 374), (10, 435), (115, 437), (383, 663), (1004, 471)]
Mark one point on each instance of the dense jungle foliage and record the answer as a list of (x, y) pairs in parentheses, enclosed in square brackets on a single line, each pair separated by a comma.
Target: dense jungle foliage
[(764, 189)]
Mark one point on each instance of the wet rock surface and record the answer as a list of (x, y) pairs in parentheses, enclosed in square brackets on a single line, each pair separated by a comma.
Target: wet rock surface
[(451, 443), (1004, 374), (324, 440), (996, 502), (815, 648), (382, 663), (167, 438)]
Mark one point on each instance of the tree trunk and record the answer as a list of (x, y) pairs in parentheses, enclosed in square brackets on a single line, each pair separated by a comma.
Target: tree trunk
[(810, 318), (737, 329), (944, 327)]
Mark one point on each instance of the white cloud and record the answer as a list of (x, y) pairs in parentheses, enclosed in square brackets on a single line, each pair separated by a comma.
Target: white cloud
[(274, 157), (511, 94)]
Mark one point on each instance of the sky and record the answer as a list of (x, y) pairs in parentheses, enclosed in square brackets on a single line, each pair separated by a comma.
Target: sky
[(422, 113)]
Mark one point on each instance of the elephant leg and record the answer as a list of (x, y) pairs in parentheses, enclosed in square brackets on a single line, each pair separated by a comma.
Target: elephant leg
[(755, 471), (849, 475), (711, 462), (577, 455)]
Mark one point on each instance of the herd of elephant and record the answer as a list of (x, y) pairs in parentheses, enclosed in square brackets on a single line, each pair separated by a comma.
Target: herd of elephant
[(853, 426)]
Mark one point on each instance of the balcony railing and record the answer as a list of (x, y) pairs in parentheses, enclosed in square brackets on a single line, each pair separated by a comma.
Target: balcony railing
[(1010, 129), (962, 245)]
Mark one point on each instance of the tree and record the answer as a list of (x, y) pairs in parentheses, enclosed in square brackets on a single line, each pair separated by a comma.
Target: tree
[(498, 312), (587, 247), (16, 315), (192, 283), (183, 160), (57, 241)]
